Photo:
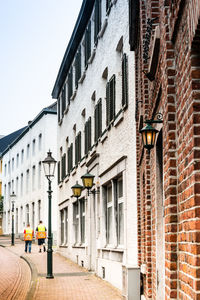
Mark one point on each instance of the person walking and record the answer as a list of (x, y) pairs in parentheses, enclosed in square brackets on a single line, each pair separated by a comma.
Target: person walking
[(41, 233), (28, 237)]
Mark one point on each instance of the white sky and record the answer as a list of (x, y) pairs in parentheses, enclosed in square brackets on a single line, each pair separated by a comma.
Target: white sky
[(33, 38)]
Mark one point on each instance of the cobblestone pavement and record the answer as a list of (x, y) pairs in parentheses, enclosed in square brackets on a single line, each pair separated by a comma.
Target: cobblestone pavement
[(70, 282)]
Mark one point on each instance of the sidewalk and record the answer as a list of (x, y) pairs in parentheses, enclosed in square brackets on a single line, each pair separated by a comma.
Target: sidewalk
[(71, 282)]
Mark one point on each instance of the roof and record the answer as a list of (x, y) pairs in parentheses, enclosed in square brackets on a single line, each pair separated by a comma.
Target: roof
[(10, 140), (76, 37)]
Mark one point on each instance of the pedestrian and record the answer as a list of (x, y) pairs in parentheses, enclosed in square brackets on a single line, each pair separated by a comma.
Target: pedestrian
[(28, 237), (41, 236)]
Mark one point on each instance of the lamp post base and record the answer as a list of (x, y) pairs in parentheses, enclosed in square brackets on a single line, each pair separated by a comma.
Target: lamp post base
[(49, 276)]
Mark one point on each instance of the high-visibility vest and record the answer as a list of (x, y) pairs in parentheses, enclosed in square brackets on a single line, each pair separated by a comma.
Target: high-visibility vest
[(28, 236), (41, 233)]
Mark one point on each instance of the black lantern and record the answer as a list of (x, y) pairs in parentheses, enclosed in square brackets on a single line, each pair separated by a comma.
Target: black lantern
[(49, 165), (149, 132), (77, 189), (88, 180), (148, 136)]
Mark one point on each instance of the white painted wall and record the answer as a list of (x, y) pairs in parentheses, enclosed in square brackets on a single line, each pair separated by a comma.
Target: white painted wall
[(120, 141), (46, 127)]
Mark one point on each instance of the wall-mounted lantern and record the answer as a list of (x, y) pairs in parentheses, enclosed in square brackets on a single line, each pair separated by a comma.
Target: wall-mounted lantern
[(88, 182), (77, 189), (149, 132)]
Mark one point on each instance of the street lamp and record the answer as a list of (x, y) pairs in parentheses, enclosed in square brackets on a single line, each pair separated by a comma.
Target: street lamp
[(12, 196), (49, 165)]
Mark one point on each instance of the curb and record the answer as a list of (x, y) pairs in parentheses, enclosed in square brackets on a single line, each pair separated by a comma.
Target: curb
[(34, 276)]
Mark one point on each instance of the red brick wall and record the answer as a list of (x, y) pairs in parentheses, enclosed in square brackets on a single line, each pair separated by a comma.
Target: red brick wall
[(178, 79)]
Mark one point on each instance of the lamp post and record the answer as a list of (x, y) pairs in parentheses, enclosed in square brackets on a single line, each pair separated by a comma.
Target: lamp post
[(49, 165), (12, 196)]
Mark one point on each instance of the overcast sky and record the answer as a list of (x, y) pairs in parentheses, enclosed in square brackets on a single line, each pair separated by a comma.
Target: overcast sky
[(33, 38)]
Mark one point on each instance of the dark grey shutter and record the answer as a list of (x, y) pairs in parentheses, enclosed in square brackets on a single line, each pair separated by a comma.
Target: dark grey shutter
[(71, 156), (70, 85), (58, 109), (99, 118), (63, 100), (64, 165), (78, 67), (89, 133), (88, 43), (68, 160), (112, 97), (76, 150), (96, 123), (79, 146), (97, 21), (58, 172), (86, 137), (124, 81), (107, 103)]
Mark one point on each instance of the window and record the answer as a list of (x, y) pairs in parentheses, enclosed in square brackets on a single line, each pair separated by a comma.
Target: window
[(27, 180), (64, 226), (75, 221), (28, 151), (5, 169), (88, 135), (63, 100), (17, 160), (22, 156), (78, 67), (70, 85), (39, 210), (78, 148), (17, 185), (97, 20), (9, 167), (58, 166), (114, 212), (108, 5), (33, 215), (33, 178), (22, 184), (88, 43), (82, 220), (70, 158), (27, 214), (33, 149), (98, 120), (110, 100), (124, 81), (63, 166), (40, 142), (13, 164), (58, 109), (39, 174), (1, 166)]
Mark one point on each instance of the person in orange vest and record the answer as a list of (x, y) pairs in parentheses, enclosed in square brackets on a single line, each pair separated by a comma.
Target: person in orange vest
[(28, 237), (41, 233)]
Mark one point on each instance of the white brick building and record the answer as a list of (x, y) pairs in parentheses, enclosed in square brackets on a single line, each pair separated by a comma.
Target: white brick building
[(95, 88), (22, 173)]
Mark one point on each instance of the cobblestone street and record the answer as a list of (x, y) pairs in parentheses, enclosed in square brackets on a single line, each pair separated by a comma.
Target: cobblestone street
[(23, 277)]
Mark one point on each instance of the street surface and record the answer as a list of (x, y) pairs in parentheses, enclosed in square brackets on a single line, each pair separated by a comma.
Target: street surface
[(23, 277)]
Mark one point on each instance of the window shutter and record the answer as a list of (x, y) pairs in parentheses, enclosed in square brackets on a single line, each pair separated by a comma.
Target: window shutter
[(58, 109), (63, 100), (79, 146), (58, 172), (99, 118), (76, 150), (70, 85), (88, 43), (96, 123), (86, 137), (71, 156), (64, 165), (112, 97), (107, 103), (124, 81), (89, 133), (78, 67), (97, 23)]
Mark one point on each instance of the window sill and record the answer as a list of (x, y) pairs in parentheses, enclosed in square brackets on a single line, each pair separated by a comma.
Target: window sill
[(66, 109), (60, 184), (83, 162), (105, 23), (104, 137), (90, 60), (119, 118), (82, 77), (74, 95), (111, 249), (73, 172), (63, 246), (79, 246), (66, 178)]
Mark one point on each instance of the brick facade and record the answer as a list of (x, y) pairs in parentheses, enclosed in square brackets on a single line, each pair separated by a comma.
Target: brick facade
[(168, 179)]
